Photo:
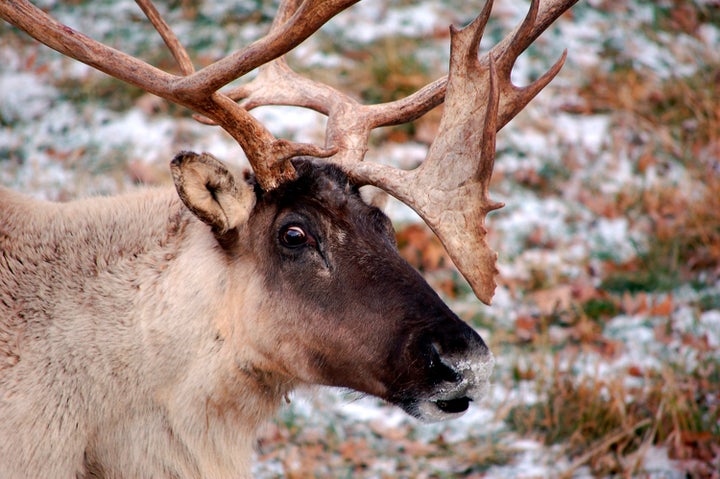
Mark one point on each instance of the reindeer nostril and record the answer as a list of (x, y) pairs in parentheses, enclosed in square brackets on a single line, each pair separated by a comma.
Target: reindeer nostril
[(454, 405), (434, 353), (441, 371)]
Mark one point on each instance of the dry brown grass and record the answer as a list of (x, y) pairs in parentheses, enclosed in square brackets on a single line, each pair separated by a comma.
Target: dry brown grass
[(607, 425)]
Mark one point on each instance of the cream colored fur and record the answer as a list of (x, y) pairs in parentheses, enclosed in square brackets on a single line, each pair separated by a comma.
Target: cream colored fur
[(120, 335)]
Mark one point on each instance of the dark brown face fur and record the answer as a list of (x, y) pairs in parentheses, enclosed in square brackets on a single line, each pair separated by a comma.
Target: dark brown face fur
[(354, 312)]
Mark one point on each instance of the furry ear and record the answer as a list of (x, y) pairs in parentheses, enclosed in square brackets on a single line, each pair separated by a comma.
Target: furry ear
[(211, 191), (374, 196)]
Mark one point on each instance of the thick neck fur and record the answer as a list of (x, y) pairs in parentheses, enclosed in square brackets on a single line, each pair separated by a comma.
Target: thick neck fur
[(120, 327)]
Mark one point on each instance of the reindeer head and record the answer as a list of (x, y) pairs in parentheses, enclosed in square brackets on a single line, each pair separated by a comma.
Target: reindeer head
[(336, 304)]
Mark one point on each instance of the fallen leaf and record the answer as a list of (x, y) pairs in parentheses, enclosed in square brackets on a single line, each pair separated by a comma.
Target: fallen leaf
[(664, 308), (552, 300)]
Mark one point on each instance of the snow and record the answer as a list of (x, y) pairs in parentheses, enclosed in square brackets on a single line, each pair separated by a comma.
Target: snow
[(587, 132), (24, 97), (710, 325), (375, 21), (532, 462), (299, 123)]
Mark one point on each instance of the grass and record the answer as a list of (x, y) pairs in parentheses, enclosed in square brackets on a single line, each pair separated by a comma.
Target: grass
[(341, 449), (685, 226), (604, 422)]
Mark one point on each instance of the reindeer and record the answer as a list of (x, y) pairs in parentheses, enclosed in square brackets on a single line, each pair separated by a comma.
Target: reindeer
[(151, 334)]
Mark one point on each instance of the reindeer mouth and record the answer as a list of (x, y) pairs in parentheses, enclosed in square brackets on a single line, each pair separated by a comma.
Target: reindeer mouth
[(451, 399), (433, 410), (453, 406)]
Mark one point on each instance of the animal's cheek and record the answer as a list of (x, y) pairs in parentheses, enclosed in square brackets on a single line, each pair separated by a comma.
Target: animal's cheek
[(305, 259), (322, 257), (302, 274), (288, 356)]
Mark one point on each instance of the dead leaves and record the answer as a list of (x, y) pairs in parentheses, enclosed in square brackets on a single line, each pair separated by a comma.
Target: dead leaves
[(421, 248), (373, 449), (645, 304)]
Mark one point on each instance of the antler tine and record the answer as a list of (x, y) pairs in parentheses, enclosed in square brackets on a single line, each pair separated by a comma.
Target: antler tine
[(285, 11), (176, 49), (477, 29), (309, 16), (514, 98)]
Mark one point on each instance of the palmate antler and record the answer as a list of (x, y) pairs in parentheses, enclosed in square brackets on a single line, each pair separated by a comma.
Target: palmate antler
[(450, 188)]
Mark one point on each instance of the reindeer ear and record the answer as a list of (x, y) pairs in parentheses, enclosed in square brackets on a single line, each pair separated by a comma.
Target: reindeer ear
[(374, 196), (211, 191)]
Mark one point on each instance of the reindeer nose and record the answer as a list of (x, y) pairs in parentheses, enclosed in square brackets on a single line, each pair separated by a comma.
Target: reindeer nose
[(460, 365), (459, 354), (440, 368), (458, 339)]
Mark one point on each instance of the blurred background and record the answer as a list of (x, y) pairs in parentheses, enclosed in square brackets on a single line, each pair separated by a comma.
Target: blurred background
[(606, 322)]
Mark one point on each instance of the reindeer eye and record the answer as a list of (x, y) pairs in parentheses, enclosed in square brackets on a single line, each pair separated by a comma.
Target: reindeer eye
[(293, 236)]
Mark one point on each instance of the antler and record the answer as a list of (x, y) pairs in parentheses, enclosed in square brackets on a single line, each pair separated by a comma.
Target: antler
[(450, 188)]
